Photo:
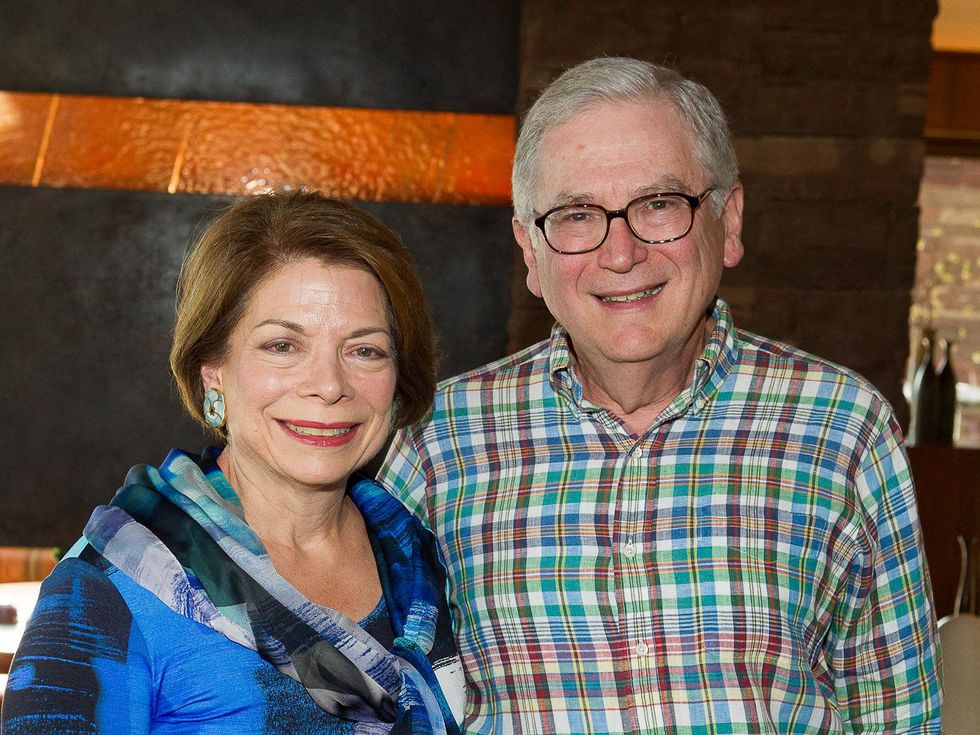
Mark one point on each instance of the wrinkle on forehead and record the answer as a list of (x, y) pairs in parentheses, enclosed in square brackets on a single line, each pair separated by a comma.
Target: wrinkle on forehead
[(314, 296), (612, 153), (663, 184)]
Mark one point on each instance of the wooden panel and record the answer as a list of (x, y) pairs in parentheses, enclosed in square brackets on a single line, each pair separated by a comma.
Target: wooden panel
[(953, 110), (235, 148), (947, 485), (26, 563)]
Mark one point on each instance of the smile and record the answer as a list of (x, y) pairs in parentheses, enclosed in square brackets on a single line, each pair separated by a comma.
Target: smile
[(315, 431), (632, 296)]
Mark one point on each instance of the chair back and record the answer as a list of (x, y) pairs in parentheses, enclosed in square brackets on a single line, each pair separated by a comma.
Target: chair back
[(26, 563), (959, 637)]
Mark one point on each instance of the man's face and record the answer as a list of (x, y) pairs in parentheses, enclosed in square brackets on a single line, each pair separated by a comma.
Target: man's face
[(629, 301)]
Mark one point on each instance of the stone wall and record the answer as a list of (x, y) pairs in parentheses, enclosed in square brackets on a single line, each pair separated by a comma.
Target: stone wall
[(827, 103)]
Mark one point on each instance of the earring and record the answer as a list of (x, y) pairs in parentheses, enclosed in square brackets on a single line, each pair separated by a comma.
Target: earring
[(214, 408)]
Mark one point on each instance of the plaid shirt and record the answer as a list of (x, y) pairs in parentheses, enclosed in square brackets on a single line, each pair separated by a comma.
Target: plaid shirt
[(751, 564)]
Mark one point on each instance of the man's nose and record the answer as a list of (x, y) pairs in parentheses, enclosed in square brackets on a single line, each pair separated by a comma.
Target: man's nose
[(621, 250)]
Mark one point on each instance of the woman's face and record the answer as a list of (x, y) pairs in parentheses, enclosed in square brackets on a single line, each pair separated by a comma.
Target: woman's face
[(309, 377)]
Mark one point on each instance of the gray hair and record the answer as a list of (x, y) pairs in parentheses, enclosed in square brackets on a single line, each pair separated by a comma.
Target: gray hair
[(614, 79)]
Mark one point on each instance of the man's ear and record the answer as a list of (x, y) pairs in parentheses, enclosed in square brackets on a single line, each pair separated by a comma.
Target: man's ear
[(523, 237), (731, 218)]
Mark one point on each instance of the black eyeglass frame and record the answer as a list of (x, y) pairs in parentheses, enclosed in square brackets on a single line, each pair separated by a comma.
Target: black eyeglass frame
[(694, 202)]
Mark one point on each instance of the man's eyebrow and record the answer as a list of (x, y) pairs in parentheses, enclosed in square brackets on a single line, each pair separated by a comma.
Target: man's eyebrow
[(570, 197), (665, 183)]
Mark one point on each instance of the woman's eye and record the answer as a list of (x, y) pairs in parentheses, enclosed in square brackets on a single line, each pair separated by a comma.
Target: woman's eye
[(369, 353), (281, 347)]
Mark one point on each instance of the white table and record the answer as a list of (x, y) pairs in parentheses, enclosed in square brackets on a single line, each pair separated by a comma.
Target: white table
[(23, 596)]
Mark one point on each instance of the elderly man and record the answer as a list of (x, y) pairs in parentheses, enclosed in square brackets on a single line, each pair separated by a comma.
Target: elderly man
[(652, 521)]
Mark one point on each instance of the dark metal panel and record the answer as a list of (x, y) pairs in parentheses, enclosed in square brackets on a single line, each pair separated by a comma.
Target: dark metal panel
[(427, 55), (86, 308)]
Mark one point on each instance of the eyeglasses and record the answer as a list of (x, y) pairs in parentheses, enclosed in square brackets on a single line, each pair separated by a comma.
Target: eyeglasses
[(654, 219)]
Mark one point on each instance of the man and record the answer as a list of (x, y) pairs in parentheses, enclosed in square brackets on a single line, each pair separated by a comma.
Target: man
[(654, 522)]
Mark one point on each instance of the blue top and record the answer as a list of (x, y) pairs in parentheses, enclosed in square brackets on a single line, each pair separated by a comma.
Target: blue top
[(103, 654)]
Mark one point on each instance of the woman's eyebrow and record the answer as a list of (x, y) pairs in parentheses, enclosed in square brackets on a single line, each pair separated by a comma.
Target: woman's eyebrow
[(285, 323), (366, 331)]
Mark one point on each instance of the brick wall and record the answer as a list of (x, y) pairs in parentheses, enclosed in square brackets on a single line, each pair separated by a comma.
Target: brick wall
[(827, 103)]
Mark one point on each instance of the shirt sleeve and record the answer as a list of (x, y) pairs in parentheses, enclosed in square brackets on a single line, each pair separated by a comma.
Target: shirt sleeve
[(403, 473), (81, 665), (886, 654)]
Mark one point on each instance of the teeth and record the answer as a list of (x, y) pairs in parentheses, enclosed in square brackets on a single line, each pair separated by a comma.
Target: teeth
[(633, 296), (311, 431)]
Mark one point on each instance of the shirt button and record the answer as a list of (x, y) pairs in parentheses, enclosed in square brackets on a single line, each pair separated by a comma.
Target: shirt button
[(641, 649), (630, 549)]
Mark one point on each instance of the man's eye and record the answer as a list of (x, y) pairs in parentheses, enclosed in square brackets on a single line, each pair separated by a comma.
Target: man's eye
[(660, 204), (575, 216)]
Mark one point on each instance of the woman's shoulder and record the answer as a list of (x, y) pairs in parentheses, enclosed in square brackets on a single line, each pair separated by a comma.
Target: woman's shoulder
[(95, 625), (82, 588), (81, 605)]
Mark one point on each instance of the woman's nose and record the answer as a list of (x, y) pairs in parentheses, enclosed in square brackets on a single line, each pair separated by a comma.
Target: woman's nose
[(328, 379)]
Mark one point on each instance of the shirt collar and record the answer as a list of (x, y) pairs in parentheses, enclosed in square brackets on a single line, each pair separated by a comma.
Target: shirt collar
[(717, 358), (710, 370), (560, 363)]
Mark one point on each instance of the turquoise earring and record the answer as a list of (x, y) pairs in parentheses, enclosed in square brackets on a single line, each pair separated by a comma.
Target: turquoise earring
[(214, 408)]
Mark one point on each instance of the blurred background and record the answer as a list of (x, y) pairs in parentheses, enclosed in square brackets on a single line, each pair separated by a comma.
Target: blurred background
[(124, 126)]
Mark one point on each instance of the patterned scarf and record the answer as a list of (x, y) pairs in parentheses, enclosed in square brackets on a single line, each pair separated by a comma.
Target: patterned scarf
[(180, 533)]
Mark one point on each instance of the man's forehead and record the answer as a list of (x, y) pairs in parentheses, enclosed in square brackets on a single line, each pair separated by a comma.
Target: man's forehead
[(666, 183), (596, 110), (635, 147)]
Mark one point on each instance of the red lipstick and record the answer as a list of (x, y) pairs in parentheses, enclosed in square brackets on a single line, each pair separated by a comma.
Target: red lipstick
[(316, 434)]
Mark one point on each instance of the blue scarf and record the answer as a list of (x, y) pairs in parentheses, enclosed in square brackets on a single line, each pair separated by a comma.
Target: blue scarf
[(179, 532)]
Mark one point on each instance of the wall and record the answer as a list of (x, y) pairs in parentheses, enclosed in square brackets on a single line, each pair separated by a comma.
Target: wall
[(826, 103), (107, 106)]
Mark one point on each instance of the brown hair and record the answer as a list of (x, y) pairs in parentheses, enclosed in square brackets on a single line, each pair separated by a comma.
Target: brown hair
[(253, 238)]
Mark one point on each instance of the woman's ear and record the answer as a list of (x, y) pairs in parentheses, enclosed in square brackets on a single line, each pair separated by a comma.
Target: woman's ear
[(211, 376)]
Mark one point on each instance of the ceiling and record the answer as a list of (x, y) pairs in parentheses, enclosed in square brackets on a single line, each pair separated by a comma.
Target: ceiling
[(957, 27)]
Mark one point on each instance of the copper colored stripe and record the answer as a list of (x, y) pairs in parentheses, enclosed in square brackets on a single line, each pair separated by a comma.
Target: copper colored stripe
[(45, 141), (22, 123), (236, 148), (179, 161)]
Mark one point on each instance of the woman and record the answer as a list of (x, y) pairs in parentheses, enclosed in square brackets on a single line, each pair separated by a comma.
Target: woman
[(265, 587)]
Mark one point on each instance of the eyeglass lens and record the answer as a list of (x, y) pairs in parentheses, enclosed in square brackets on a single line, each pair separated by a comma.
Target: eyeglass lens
[(655, 218)]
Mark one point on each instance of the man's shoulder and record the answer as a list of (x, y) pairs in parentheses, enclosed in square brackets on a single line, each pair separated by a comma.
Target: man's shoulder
[(795, 370), (517, 369)]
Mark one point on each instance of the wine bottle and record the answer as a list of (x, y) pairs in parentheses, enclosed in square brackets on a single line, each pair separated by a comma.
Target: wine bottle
[(946, 379), (924, 427)]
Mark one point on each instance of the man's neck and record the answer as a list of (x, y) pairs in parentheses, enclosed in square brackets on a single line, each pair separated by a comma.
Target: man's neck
[(638, 392), (633, 393)]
